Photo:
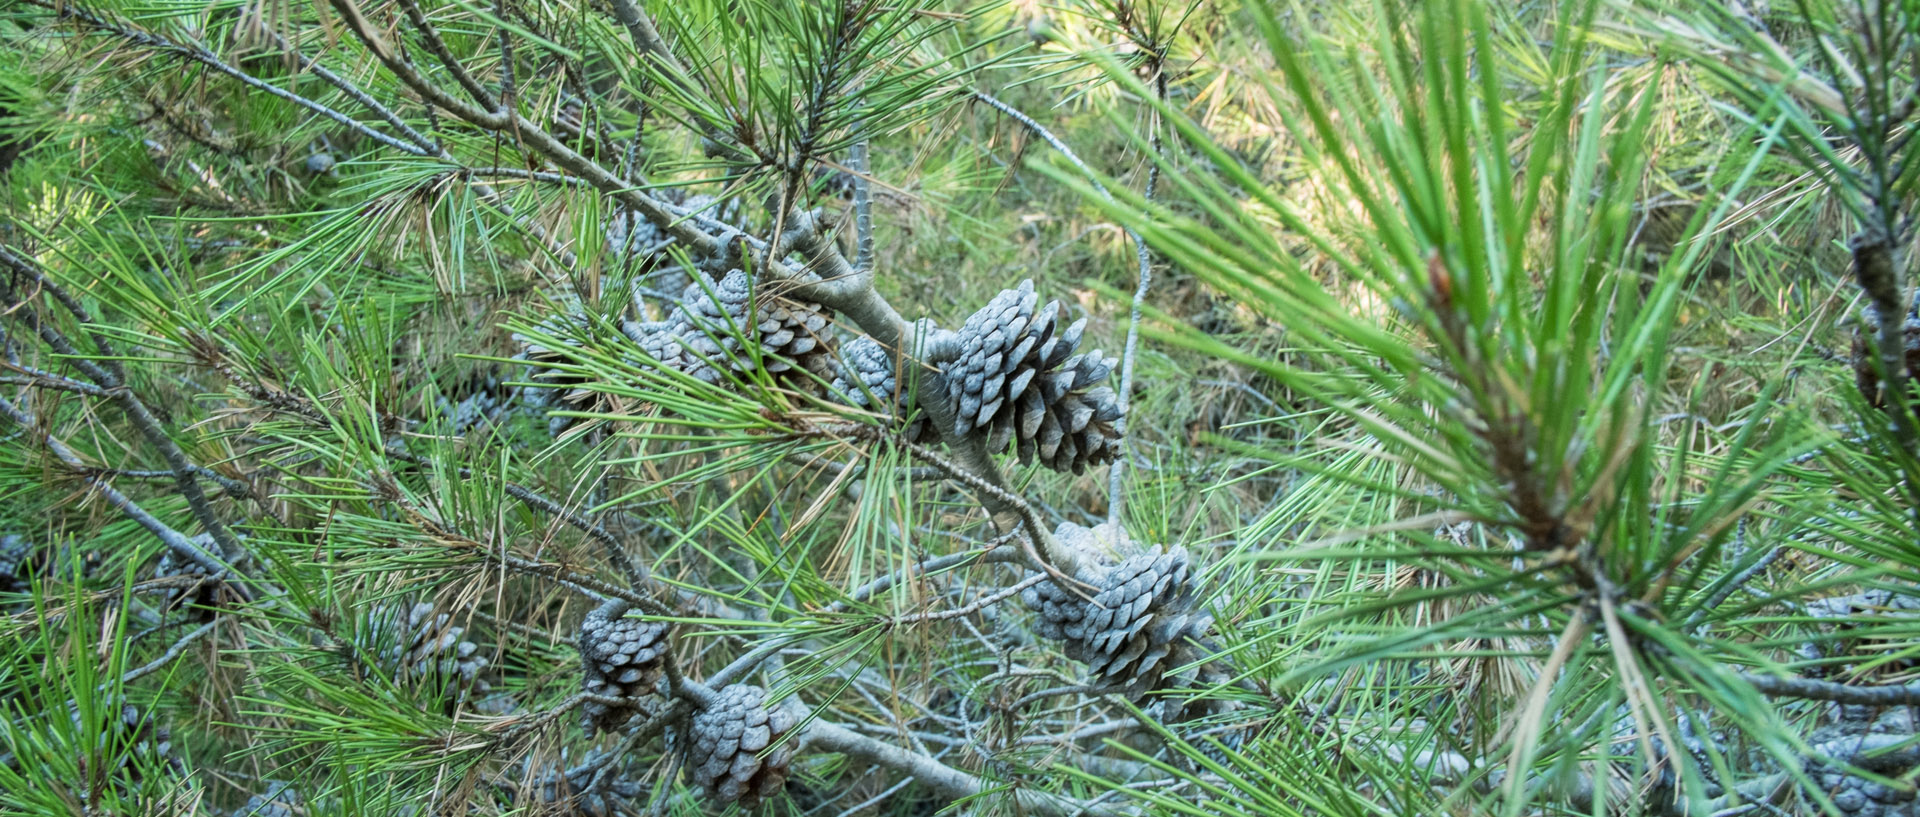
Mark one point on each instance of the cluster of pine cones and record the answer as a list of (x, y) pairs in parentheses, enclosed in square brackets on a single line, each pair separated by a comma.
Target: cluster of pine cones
[(1131, 619), (724, 744), (1019, 381), (623, 658)]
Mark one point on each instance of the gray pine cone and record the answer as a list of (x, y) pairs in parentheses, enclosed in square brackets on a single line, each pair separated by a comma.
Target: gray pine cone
[(280, 800), (202, 597), (16, 556), (723, 743), (1142, 609), (623, 658), (702, 337), (556, 387), (1018, 378), (425, 646), (864, 378), (1864, 737)]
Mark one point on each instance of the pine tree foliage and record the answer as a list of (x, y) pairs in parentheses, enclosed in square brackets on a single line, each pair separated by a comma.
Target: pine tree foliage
[(621, 408)]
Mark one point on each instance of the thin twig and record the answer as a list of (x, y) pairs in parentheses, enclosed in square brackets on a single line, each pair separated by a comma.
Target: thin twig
[(1116, 473), (207, 58), (173, 651), (1807, 688)]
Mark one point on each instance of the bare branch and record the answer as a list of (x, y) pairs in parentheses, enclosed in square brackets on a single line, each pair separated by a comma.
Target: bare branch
[(1807, 688)]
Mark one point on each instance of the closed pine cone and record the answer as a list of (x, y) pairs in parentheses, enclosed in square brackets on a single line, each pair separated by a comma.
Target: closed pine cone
[(702, 336), (865, 379), (202, 597), (623, 658), (1018, 378), (426, 646), (1142, 609), (723, 743), (16, 556)]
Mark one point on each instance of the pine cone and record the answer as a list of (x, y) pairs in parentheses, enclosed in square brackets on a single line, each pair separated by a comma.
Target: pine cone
[(203, 598), (793, 334), (425, 646), (865, 380), (702, 336), (1864, 740), (1018, 377), (17, 555), (557, 387), (1142, 609), (623, 658), (280, 800), (723, 743)]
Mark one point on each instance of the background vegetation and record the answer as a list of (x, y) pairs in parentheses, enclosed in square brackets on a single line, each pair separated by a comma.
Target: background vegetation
[(1528, 386)]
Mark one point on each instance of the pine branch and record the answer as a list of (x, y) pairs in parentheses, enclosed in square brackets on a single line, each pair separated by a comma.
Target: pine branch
[(173, 652), (112, 379), (215, 566), (200, 55), (1810, 689)]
